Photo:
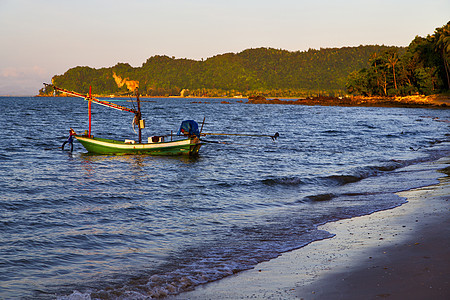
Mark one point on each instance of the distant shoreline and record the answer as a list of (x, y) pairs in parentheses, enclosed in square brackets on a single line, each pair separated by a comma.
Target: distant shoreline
[(432, 101), (418, 101)]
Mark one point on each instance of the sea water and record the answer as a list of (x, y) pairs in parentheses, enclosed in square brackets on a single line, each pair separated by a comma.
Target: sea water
[(78, 225)]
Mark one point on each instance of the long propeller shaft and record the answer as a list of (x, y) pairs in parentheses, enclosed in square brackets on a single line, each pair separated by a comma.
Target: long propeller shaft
[(274, 137)]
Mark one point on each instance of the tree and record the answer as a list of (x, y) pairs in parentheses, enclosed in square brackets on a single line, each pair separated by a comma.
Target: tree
[(424, 67), (378, 74), (357, 83), (443, 48), (392, 62)]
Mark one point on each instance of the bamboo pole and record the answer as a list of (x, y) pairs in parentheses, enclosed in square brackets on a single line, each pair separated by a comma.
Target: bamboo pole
[(89, 108)]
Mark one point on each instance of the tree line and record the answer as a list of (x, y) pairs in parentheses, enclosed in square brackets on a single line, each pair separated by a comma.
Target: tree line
[(261, 71), (422, 67)]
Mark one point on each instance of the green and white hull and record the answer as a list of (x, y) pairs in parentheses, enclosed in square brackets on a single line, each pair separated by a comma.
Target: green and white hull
[(189, 147)]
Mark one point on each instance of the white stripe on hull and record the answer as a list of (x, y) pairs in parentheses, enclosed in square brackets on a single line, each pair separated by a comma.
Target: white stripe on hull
[(136, 146)]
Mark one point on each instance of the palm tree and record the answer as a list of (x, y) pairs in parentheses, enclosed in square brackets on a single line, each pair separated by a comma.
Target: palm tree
[(392, 62), (442, 46)]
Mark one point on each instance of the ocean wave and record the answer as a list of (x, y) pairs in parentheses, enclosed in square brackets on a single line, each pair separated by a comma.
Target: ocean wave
[(320, 197), (287, 181), (340, 179), (197, 267), (4, 157), (361, 173), (352, 176), (330, 180)]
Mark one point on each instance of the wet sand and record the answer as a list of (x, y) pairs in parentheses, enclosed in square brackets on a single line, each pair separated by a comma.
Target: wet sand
[(401, 253)]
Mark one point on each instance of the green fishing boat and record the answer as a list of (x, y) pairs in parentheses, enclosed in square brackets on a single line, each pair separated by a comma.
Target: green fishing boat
[(188, 144)]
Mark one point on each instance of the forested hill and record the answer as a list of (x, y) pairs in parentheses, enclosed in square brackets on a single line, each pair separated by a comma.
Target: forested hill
[(262, 71)]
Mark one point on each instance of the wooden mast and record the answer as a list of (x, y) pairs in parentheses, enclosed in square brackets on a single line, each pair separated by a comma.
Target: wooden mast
[(89, 109), (138, 115)]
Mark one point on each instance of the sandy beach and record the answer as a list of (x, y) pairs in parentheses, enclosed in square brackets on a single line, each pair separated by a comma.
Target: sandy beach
[(401, 253)]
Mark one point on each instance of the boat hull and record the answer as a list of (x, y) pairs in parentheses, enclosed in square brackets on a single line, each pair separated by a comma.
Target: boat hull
[(189, 147)]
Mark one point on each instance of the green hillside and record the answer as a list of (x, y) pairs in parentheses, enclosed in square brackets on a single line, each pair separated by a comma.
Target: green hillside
[(262, 71), (421, 68)]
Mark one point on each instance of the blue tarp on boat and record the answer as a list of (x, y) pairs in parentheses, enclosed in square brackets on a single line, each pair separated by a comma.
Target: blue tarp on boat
[(189, 127)]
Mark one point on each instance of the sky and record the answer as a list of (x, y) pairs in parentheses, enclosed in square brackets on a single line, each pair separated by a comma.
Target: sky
[(43, 38)]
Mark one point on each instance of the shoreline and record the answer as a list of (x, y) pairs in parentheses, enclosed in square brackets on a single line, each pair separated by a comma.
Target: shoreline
[(418, 101), (399, 253)]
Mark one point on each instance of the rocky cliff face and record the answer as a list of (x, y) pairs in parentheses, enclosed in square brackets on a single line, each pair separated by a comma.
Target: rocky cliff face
[(131, 84)]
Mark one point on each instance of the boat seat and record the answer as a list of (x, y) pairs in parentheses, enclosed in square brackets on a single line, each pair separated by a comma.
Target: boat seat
[(155, 139)]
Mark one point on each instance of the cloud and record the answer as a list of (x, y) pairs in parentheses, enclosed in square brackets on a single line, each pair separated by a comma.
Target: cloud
[(22, 80), (27, 72), (10, 73)]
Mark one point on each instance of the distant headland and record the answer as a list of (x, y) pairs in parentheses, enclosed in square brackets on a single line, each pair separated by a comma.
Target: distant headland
[(373, 71)]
